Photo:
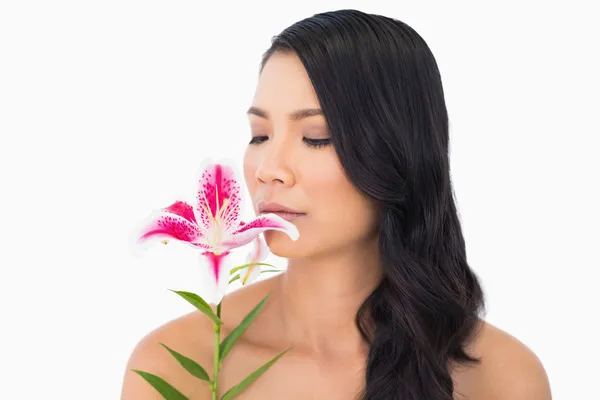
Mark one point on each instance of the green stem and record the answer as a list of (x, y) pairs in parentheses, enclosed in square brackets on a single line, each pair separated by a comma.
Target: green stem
[(215, 380)]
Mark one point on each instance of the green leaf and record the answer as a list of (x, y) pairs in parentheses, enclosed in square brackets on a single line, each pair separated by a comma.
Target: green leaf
[(271, 270), (236, 269), (190, 365), (235, 334), (235, 278), (166, 390), (237, 389), (199, 303)]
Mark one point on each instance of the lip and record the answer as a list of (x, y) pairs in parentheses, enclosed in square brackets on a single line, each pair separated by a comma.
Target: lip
[(285, 215), (276, 208)]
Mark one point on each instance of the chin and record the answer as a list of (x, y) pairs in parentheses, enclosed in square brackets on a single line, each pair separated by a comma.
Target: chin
[(281, 245)]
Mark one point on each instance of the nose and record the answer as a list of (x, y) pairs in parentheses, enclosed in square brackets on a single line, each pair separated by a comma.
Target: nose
[(274, 167)]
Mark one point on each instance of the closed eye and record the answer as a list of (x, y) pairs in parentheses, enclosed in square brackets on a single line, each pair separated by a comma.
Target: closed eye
[(315, 143), (258, 139)]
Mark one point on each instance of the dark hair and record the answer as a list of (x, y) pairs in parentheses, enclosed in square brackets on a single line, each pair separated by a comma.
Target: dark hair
[(381, 94)]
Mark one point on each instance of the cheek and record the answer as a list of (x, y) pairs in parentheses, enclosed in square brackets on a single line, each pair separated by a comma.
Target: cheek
[(321, 179), (327, 181), (340, 206)]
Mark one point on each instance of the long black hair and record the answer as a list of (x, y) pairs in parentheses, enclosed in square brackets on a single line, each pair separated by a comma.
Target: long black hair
[(381, 93)]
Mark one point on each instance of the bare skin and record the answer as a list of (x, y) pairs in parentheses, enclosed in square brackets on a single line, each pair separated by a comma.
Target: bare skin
[(331, 269), (509, 370)]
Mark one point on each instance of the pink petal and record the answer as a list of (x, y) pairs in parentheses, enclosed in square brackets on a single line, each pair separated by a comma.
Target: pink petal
[(250, 230), (163, 225), (195, 245), (218, 197), (199, 245), (216, 281), (259, 252), (182, 209)]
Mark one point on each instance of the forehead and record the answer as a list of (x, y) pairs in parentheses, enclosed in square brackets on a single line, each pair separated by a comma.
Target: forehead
[(284, 85)]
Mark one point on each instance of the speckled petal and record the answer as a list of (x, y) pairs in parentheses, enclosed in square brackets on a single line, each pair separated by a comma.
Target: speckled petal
[(218, 197), (164, 226), (199, 245), (182, 209)]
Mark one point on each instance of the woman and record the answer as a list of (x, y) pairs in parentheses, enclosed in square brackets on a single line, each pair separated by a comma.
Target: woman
[(350, 132)]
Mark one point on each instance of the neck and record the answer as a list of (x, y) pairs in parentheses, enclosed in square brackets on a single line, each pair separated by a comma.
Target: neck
[(319, 297)]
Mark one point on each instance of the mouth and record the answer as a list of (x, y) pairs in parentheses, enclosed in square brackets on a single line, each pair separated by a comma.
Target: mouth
[(288, 216)]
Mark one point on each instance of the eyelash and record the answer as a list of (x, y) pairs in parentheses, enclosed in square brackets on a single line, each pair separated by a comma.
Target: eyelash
[(314, 143)]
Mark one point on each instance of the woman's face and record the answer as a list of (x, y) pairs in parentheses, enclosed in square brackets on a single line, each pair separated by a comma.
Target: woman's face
[(282, 165)]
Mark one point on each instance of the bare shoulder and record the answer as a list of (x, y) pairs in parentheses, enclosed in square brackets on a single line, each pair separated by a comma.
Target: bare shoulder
[(190, 335), (508, 369)]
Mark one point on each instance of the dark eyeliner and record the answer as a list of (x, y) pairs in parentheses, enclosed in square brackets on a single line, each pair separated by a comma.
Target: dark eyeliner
[(258, 139), (316, 142)]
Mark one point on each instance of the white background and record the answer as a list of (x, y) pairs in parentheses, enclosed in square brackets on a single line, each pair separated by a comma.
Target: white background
[(107, 109)]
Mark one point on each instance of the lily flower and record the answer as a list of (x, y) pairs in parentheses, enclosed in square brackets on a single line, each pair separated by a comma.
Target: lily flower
[(213, 225), (259, 252)]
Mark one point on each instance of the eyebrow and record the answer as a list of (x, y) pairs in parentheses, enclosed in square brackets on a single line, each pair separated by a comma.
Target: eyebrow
[(293, 116)]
